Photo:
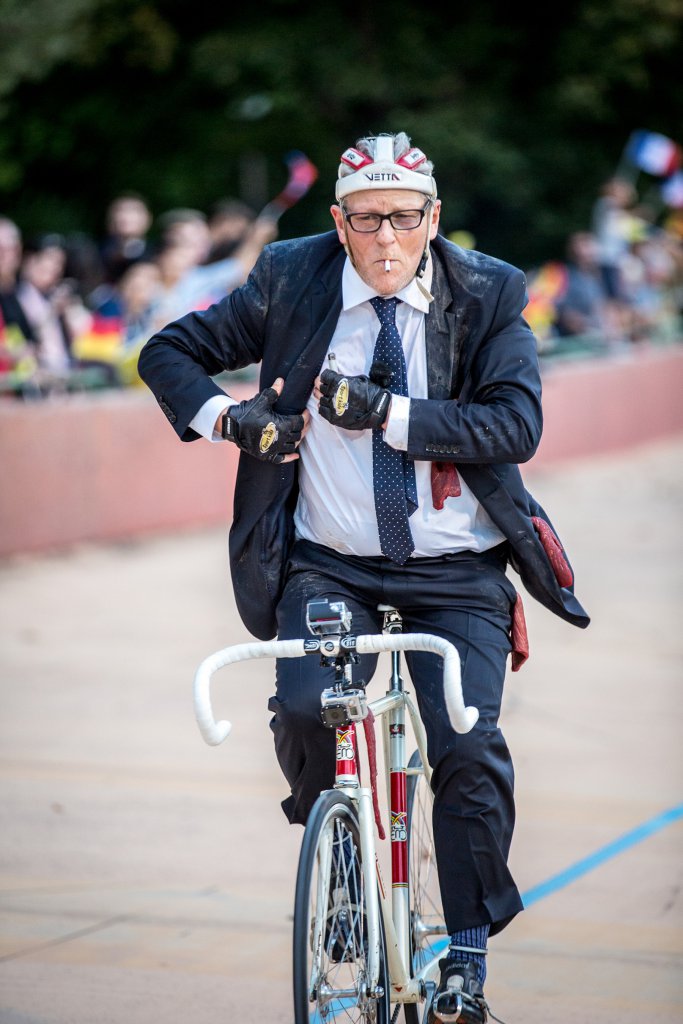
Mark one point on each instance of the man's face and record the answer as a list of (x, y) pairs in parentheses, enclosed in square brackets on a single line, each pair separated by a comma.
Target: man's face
[(371, 251)]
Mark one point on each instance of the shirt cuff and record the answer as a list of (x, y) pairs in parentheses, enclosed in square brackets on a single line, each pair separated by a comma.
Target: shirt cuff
[(205, 420), (396, 434)]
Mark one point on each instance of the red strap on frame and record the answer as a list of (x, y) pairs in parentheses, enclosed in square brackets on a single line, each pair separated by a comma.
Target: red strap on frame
[(371, 744)]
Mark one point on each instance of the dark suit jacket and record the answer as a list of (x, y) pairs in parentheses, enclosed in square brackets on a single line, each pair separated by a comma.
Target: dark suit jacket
[(479, 349)]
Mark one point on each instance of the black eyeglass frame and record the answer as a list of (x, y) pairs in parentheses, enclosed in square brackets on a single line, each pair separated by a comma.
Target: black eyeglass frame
[(348, 218)]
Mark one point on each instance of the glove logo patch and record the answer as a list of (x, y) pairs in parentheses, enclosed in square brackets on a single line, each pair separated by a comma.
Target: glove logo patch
[(269, 436), (341, 397)]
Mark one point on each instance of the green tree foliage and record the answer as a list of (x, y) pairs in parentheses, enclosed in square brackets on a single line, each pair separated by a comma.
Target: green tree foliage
[(524, 113)]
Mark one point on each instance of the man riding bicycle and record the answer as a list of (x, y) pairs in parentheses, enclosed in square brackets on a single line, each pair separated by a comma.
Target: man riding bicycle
[(381, 467)]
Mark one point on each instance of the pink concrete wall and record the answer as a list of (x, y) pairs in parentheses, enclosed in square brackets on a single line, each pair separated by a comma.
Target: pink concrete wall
[(108, 465), (103, 466), (609, 405)]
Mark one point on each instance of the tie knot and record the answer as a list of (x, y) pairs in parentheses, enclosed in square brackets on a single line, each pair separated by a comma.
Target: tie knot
[(385, 309)]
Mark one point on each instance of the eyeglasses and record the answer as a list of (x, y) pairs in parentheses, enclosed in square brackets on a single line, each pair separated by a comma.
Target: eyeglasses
[(400, 220)]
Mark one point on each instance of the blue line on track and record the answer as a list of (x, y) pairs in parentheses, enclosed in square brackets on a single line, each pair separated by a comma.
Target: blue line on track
[(605, 853)]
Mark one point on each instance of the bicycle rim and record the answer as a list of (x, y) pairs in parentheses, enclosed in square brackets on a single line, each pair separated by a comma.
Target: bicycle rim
[(330, 967)]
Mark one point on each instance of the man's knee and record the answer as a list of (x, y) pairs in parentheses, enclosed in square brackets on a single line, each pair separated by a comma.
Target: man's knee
[(476, 767), (297, 699), (305, 751)]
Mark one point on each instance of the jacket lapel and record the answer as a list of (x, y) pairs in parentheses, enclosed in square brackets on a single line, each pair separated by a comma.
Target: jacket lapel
[(440, 337), (325, 307)]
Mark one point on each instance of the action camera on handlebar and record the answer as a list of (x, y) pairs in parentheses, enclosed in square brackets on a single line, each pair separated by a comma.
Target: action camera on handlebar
[(340, 709), (343, 703), (328, 618)]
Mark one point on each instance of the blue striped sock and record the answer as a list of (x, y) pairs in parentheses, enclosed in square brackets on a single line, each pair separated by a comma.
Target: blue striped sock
[(473, 937)]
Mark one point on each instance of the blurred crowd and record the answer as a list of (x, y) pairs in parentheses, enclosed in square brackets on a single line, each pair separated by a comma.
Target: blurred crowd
[(619, 281), (75, 311)]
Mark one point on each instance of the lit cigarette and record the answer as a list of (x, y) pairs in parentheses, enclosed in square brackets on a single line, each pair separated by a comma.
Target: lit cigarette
[(387, 265), (332, 360)]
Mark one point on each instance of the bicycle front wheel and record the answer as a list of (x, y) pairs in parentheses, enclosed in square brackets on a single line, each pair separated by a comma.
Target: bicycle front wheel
[(330, 975)]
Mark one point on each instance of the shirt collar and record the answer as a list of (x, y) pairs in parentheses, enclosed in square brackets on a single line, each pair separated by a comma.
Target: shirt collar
[(355, 290)]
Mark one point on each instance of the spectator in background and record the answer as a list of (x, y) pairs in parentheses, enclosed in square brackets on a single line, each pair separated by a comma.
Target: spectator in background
[(128, 221), (229, 221), (177, 281), (178, 284), (152, 292), (546, 284), (672, 242), (583, 307), (120, 322), (52, 306), (187, 228), (649, 280), (188, 282), (17, 341), (139, 289), (83, 264), (611, 225)]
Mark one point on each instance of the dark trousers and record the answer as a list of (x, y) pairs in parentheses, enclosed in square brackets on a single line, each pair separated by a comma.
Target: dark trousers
[(467, 599)]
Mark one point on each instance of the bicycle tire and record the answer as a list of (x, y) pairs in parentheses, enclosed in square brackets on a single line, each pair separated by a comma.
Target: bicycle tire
[(427, 924), (329, 944)]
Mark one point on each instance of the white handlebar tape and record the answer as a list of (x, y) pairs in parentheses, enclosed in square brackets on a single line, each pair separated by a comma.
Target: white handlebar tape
[(215, 732), (461, 718)]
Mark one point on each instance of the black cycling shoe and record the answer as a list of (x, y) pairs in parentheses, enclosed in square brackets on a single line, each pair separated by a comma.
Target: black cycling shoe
[(459, 996)]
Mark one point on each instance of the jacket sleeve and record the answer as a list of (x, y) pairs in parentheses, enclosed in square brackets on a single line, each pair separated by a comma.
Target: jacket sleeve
[(497, 417), (179, 362)]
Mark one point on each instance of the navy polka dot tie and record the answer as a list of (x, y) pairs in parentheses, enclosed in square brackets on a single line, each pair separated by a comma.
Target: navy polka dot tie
[(393, 474)]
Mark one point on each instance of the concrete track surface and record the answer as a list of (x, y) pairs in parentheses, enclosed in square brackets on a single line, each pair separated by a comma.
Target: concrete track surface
[(148, 878)]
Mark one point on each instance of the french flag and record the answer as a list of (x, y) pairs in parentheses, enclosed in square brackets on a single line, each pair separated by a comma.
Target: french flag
[(654, 153)]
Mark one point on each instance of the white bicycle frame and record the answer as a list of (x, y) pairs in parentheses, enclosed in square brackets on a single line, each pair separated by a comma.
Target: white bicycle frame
[(391, 708)]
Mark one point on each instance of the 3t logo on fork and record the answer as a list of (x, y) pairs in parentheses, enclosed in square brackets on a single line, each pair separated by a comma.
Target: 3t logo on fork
[(399, 826), (345, 750)]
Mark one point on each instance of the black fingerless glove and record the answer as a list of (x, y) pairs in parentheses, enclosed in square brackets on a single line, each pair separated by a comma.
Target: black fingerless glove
[(355, 403), (261, 432)]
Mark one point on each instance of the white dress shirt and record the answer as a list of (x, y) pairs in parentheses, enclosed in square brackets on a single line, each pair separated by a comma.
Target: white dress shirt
[(336, 502)]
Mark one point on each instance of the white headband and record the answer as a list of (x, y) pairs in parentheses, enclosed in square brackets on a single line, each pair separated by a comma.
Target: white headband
[(384, 171)]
